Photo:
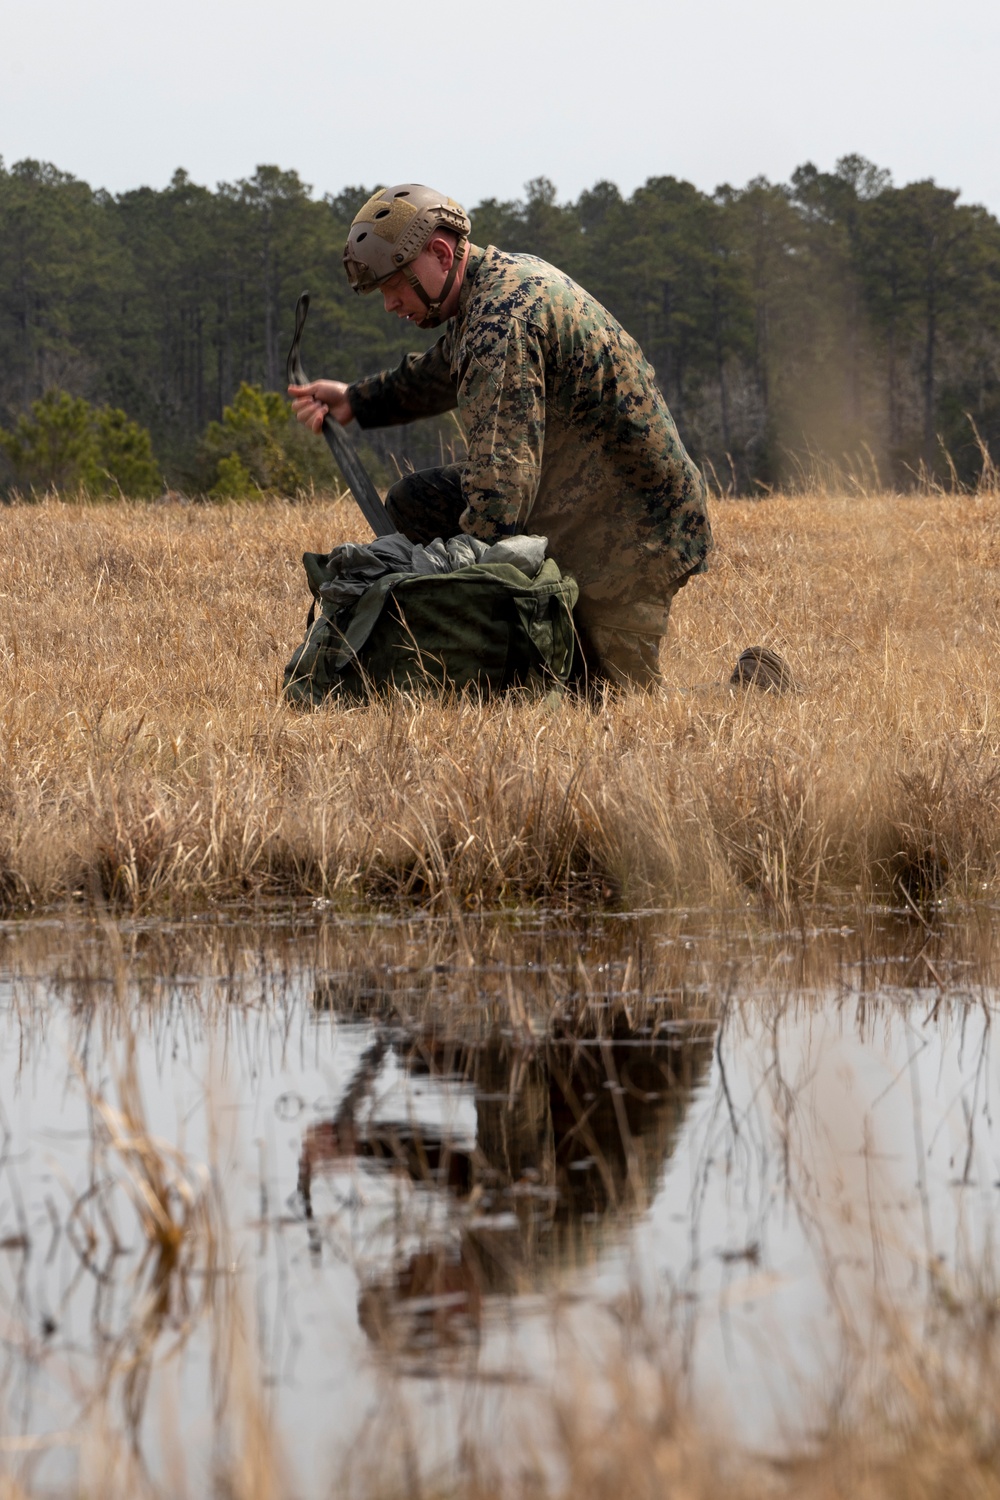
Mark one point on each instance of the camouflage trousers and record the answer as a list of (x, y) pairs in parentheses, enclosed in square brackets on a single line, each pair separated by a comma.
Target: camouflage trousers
[(620, 627)]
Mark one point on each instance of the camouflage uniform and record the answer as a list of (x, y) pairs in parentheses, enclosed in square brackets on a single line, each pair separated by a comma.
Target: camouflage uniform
[(568, 436)]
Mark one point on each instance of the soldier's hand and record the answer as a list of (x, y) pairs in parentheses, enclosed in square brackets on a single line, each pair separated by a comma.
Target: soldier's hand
[(312, 402)]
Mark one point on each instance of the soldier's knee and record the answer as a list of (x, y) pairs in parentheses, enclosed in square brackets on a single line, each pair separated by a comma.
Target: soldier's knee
[(406, 512), (396, 503), (426, 504)]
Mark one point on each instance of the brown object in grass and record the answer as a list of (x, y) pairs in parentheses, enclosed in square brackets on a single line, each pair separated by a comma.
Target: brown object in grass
[(760, 667)]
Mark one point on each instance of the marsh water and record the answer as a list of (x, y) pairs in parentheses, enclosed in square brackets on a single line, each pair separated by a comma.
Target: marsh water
[(400, 1186)]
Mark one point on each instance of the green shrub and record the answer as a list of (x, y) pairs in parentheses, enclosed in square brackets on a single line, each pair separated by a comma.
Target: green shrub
[(65, 443), (258, 448)]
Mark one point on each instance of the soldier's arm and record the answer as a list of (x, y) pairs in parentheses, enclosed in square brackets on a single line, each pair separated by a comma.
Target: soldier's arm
[(502, 403), (420, 386)]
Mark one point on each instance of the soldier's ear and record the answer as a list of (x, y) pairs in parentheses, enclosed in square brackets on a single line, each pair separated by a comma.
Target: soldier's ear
[(442, 247)]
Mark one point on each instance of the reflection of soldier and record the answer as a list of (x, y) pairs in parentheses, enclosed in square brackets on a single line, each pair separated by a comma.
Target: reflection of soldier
[(568, 434), (570, 1133)]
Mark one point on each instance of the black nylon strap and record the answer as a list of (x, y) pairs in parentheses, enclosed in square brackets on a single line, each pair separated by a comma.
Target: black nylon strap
[(357, 476)]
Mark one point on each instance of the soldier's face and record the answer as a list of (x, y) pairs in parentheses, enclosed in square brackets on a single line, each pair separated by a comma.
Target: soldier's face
[(400, 298), (431, 267)]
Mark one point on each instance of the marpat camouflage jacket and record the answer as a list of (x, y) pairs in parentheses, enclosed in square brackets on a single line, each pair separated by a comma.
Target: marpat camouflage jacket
[(568, 433)]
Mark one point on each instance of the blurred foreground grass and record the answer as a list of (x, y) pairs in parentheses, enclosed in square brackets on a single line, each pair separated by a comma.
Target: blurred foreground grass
[(145, 757)]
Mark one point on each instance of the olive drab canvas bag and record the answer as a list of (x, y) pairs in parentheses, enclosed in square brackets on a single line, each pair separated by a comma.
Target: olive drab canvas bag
[(488, 626)]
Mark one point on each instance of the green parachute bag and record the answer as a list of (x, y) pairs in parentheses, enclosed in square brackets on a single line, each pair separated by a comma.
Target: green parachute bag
[(488, 627)]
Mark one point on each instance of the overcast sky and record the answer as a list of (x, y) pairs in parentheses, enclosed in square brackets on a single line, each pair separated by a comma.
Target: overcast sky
[(476, 98)]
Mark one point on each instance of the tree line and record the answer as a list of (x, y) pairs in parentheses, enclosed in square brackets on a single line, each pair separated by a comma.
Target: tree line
[(834, 319)]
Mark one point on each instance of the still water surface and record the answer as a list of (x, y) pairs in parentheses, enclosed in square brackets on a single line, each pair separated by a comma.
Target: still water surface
[(437, 1178)]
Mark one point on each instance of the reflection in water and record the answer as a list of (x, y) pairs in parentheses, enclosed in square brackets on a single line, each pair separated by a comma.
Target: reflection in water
[(772, 1133), (572, 1131)]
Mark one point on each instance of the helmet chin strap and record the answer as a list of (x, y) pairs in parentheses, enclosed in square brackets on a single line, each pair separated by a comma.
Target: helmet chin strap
[(432, 318)]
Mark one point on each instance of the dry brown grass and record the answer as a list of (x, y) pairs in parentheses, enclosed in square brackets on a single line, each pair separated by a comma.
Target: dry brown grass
[(145, 756), (924, 1447)]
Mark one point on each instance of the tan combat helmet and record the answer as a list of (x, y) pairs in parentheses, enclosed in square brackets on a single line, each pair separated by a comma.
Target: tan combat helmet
[(390, 231)]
